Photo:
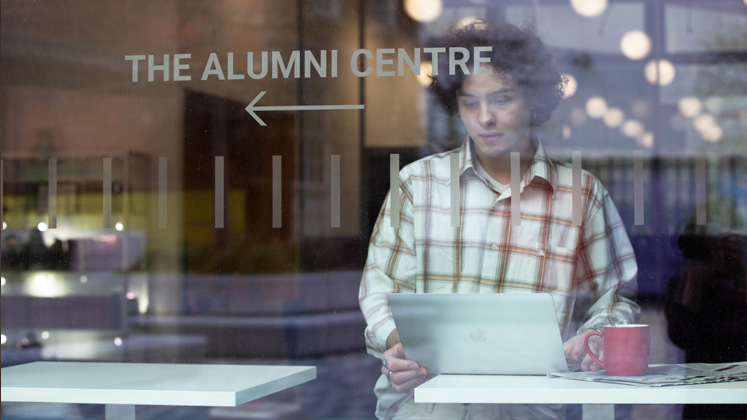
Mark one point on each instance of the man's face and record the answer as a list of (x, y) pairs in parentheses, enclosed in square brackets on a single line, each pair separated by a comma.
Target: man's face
[(494, 114)]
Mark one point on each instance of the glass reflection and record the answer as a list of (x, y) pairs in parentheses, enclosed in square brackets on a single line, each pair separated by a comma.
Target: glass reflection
[(174, 288)]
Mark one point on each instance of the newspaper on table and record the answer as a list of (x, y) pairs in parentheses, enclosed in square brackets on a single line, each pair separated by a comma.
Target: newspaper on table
[(668, 375)]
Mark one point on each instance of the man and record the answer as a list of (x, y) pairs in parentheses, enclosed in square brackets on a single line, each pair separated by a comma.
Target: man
[(589, 269)]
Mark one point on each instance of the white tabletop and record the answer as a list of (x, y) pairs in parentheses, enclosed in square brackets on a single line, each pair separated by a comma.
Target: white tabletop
[(147, 383), (476, 389)]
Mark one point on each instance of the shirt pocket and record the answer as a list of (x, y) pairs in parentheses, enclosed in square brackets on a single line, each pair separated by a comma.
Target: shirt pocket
[(539, 268), (558, 271)]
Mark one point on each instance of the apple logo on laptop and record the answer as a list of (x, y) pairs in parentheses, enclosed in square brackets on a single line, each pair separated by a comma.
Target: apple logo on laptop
[(478, 336)]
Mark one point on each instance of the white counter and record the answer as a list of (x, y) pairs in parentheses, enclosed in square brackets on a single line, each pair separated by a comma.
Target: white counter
[(596, 397), (121, 386)]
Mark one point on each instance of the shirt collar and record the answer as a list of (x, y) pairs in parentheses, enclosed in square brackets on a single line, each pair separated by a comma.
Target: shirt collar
[(541, 167)]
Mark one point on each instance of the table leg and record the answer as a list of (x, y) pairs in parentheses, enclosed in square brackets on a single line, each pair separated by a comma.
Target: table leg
[(598, 412), (120, 412)]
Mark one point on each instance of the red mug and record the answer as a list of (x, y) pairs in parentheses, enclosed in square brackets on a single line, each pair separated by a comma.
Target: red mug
[(626, 349)]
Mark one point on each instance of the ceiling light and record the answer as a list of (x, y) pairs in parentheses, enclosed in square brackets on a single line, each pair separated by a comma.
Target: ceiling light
[(426, 68), (635, 45), (589, 8), (596, 107), (689, 106), (712, 134), (646, 140), (571, 85), (423, 10), (704, 121), (632, 128), (613, 117), (661, 71)]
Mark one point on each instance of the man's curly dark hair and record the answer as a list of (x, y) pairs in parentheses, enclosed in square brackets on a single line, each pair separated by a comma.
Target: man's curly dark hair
[(515, 51)]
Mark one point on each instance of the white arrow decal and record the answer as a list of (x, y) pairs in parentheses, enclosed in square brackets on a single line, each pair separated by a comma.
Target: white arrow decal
[(252, 107)]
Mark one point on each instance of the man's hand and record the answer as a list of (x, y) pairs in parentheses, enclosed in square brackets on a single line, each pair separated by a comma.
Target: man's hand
[(404, 375), (575, 350)]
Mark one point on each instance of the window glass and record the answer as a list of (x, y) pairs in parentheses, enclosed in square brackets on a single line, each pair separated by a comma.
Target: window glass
[(598, 34), (196, 183), (719, 27)]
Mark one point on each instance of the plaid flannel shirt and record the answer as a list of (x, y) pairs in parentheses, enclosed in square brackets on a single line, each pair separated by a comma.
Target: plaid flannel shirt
[(589, 269)]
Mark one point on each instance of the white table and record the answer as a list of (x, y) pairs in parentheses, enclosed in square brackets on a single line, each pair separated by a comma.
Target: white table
[(121, 386), (598, 399)]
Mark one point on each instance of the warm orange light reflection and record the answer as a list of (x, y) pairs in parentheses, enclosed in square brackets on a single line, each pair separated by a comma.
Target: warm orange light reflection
[(596, 107), (635, 44), (646, 140), (426, 68), (589, 8), (613, 117), (632, 128), (689, 106), (423, 10), (661, 71), (570, 87)]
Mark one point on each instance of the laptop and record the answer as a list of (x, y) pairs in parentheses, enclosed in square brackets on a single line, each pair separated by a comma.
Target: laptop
[(495, 333)]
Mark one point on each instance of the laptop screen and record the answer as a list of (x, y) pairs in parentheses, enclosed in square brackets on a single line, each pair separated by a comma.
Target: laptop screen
[(507, 333)]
